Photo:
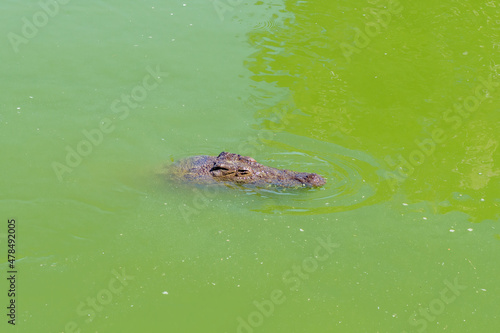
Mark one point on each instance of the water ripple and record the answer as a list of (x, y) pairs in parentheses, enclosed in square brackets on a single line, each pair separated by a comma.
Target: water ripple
[(353, 181)]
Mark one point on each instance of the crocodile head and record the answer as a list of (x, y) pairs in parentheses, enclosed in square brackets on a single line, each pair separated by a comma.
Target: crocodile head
[(234, 168), (239, 169)]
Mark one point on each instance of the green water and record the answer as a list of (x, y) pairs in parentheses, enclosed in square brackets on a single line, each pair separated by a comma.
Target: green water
[(396, 104)]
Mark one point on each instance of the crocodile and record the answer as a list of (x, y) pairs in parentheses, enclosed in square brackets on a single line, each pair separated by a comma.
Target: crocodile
[(231, 168)]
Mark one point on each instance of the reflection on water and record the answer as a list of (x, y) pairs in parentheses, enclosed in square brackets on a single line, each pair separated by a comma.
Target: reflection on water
[(370, 106)]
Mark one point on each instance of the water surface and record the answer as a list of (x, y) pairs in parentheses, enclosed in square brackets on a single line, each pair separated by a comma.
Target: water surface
[(395, 104)]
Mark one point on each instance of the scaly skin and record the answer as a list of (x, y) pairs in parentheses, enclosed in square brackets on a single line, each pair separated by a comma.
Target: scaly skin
[(237, 169)]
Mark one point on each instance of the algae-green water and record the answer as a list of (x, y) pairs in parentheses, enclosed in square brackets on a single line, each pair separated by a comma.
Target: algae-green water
[(395, 103)]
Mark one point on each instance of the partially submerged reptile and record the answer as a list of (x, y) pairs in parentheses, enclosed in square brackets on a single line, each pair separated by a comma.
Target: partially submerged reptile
[(237, 169)]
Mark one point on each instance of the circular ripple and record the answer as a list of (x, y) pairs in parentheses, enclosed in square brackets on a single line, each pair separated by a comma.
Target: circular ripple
[(353, 181)]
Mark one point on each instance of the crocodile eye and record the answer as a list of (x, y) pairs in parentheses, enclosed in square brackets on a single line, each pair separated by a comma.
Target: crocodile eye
[(244, 171), (218, 168)]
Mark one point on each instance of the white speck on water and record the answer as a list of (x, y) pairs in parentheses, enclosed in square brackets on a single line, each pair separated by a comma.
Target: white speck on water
[(470, 229), (465, 53), (425, 218), (184, 5), (301, 229), (165, 293), (405, 204), (482, 199), (452, 230)]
